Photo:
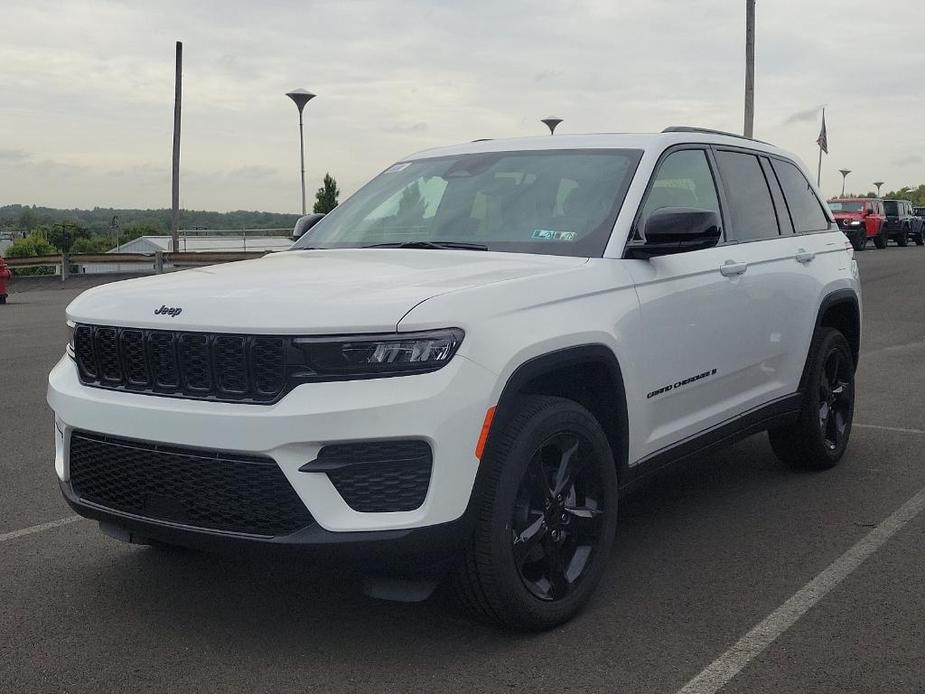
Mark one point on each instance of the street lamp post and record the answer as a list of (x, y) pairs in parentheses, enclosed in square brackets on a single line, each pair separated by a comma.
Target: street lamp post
[(844, 175), (878, 184), (301, 97), (551, 123)]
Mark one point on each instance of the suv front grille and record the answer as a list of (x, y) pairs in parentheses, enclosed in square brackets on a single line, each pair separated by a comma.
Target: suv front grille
[(199, 488), (236, 368)]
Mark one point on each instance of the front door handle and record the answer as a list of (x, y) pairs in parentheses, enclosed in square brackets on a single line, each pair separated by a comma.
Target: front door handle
[(804, 256), (731, 268)]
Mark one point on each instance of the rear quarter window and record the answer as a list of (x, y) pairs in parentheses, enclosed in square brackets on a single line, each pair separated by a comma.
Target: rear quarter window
[(805, 209)]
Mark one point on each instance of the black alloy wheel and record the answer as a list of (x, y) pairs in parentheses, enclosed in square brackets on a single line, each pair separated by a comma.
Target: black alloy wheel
[(546, 516), (557, 520), (835, 398), (819, 436)]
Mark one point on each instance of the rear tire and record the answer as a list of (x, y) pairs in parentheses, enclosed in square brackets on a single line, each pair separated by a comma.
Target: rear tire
[(920, 237), (881, 239), (547, 515), (817, 440)]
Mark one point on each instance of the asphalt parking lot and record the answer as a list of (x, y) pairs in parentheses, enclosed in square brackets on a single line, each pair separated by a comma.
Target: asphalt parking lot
[(703, 555)]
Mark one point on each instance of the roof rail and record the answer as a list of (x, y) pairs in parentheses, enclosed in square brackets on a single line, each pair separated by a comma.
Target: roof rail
[(708, 131)]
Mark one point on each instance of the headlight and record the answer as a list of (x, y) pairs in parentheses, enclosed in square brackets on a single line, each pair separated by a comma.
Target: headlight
[(855, 223), (70, 339), (369, 356)]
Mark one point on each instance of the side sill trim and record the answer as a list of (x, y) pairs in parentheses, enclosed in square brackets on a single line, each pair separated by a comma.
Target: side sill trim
[(778, 412)]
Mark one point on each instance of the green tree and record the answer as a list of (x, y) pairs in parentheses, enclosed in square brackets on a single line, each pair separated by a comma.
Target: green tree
[(138, 229), (326, 197), (64, 234), (913, 195), (32, 245), (97, 244), (28, 220)]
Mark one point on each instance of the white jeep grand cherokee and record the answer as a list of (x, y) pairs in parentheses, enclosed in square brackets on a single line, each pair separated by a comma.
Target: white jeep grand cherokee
[(464, 365)]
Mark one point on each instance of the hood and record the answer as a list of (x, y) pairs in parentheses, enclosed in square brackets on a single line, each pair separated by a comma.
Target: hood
[(848, 215), (322, 291)]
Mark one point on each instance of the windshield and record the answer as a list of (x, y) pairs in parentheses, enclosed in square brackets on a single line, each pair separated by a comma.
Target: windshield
[(558, 202), (846, 206), (891, 207)]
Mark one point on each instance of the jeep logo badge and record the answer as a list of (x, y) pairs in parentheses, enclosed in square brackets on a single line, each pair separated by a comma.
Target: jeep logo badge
[(168, 311)]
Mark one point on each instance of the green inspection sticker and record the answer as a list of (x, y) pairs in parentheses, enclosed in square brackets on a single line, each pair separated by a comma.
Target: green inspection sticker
[(552, 235)]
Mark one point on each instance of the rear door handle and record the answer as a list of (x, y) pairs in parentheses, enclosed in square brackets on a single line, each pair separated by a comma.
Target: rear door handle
[(804, 256), (731, 268)]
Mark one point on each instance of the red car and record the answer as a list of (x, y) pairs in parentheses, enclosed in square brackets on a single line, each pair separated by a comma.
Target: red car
[(860, 219)]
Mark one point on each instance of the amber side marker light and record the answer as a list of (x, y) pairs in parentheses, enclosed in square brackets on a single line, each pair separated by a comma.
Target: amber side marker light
[(483, 436)]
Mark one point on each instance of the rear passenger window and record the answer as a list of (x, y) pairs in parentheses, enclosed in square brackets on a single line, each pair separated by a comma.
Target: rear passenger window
[(780, 207), (683, 180), (805, 208), (748, 196)]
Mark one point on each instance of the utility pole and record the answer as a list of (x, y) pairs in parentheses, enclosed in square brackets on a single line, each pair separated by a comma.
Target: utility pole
[(177, 98), (749, 128)]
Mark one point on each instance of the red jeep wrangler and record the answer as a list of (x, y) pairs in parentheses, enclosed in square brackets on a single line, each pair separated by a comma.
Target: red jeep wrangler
[(860, 219)]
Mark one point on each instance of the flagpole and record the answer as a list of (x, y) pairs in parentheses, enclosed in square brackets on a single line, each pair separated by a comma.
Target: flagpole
[(819, 169), (823, 142)]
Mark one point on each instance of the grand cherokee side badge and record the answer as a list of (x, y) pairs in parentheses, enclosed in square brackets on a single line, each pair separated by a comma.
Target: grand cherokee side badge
[(680, 384), (172, 311)]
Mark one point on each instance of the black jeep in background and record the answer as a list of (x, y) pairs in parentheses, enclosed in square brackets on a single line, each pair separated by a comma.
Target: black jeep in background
[(902, 224)]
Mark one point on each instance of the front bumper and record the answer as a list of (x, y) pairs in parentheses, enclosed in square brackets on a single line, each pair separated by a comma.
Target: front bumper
[(446, 408), (427, 548)]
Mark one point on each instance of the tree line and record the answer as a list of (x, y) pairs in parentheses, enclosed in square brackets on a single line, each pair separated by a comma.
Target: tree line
[(51, 231), (915, 195)]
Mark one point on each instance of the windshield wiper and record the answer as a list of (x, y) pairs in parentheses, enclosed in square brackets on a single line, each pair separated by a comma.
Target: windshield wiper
[(452, 245)]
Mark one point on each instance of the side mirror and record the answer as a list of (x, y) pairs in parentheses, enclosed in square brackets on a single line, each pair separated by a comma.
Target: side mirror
[(673, 230), (303, 224)]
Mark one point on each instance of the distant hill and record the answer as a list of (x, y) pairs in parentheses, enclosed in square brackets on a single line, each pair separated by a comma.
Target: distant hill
[(99, 219)]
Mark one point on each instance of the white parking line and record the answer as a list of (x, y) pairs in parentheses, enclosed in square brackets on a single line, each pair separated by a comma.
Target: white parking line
[(38, 528), (896, 429), (746, 649)]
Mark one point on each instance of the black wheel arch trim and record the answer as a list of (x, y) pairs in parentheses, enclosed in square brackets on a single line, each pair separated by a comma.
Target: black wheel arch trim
[(593, 354), (835, 298)]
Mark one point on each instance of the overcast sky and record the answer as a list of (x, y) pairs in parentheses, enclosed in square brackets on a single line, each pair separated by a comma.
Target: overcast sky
[(86, 87)]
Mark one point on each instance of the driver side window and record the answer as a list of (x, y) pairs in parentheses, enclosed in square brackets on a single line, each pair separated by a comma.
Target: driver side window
[(684, 179)]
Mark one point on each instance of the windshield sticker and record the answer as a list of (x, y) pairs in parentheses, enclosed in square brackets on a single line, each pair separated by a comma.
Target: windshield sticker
[(395, 168), (551, 235)]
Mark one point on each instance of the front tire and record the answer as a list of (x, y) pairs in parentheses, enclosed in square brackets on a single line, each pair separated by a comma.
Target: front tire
[(859, 240), (817, 440), (547, 515), (903, 237)]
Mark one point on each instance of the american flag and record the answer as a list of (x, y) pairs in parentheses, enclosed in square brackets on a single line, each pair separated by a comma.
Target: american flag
[(823, 140)]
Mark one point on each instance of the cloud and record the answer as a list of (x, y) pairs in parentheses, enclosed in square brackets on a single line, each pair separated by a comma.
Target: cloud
[(806, 116), (909, 160), (407, 128), (13, 154), (398, 76)]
